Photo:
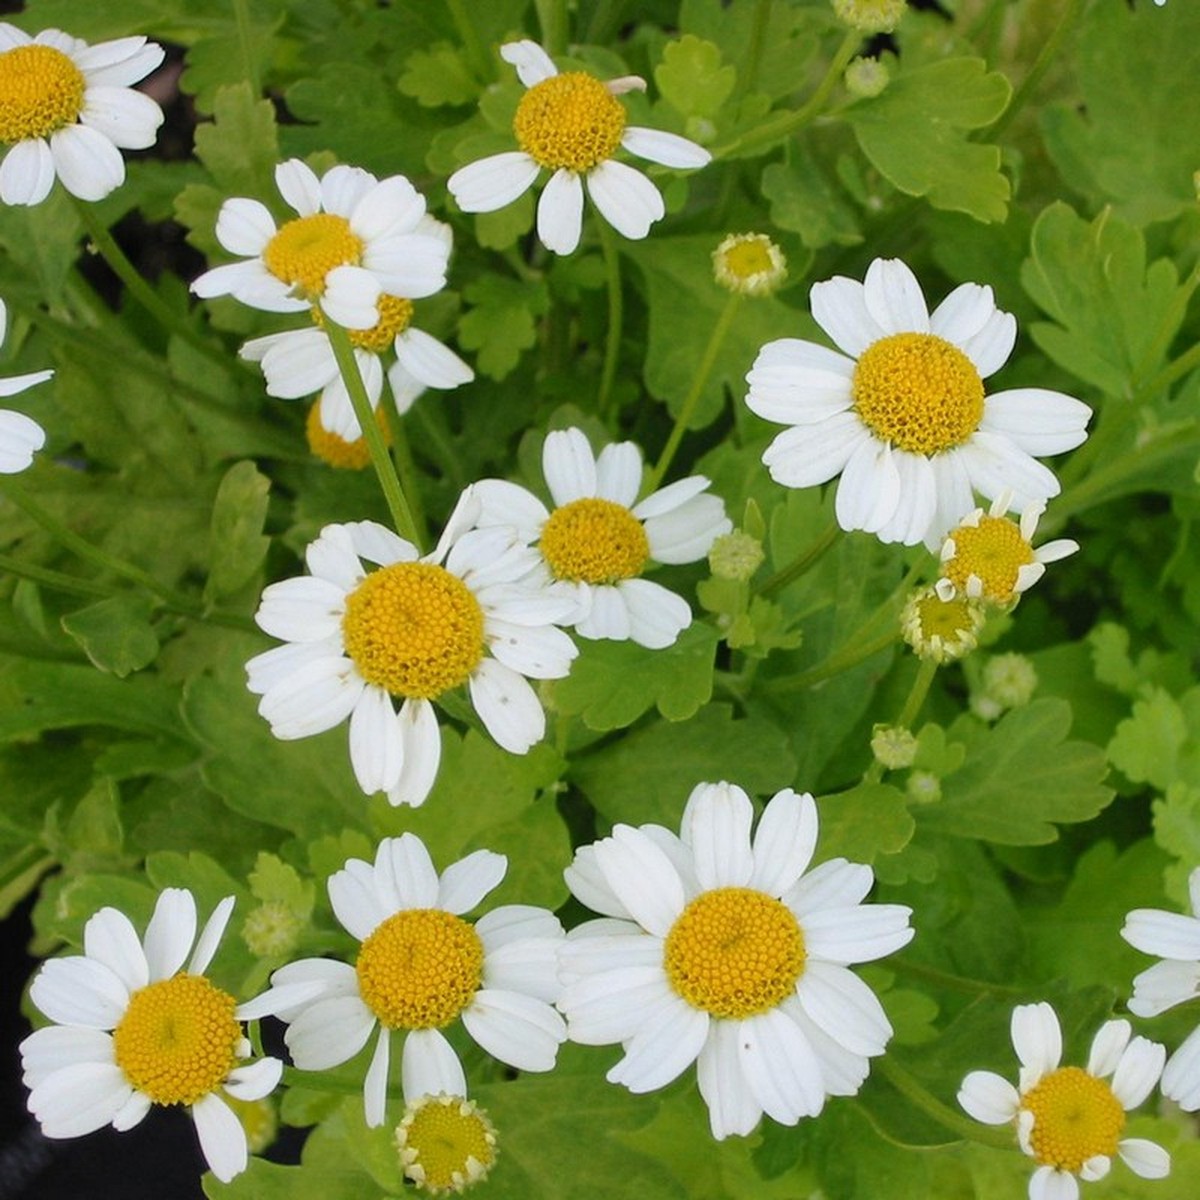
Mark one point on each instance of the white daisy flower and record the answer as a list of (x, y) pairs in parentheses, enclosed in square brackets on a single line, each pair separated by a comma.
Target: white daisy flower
[(67, 110), (1175, 939), (446, 1143), (990, 557), (727, 952), (301, 361), (902, 415), (597, 542), (1070, 1120), (355, 238), (413, 629), (135, 1027), (420, 968), (20, 436), (572, 124)]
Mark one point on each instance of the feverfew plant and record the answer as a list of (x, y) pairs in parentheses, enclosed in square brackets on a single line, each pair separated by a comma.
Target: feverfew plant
[(709, 672)]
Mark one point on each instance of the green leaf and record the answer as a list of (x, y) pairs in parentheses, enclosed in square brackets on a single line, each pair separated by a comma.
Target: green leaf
[(806, 202), (116, 633), (692, 79), (612, 683), (1160, 742), (915, 132), (1177, 832), (864, 822), (1020, 777), (236, 545), (500, 321), (648, 774), (270, 1181), (94, 836), (274, 881), (438, 76)]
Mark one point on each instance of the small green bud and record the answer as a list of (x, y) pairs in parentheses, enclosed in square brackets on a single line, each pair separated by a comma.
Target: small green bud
[(1010, 679), (866, 77), (870, 16), (893, 746), (924, 787), (272, 930), (735, 556)]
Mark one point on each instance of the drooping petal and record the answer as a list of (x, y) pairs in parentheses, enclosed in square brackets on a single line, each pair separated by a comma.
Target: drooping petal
[(663, 1048), (732, 1108), (86, 162), (422, 756), (507, 705), (518, 1030), (429, 1065), (222, 1138), (375, 1084), (780, 1066), (813, 454), (560, 212), (79, 1099), (627, 200)]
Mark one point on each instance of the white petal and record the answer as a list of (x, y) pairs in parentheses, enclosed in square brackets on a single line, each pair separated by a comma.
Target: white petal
[(315, 697), (619, 473), (20, 438), (641, 877), (533, 64), (343, 189), (210, 937), (1037, 1038), (1138, 1072), (422, 740), (171, 932), (716, 826), (376, 746), (79, 991), (839, 307), (987, 1097), (465, 883), (1107, 1047), (607, 616), (132, 1112), (222, 1138), (493, 182), (656, 616), (351, 298), (611, 1006), (812, 454), (916, 506), (537, 653), (670, 498), (302, 609), (1049, 1183), (429, 362), (1164, 934), (893, 297), (518, 1030), (88, 164), (1181, 1079), (963, 313), (507, 705), (568, 466), (687, 534), (128, 119), (255, 1080), (844, 1007), (504, 503), (299, 186), (1037, 420), (375, 1084), (428, 1065), (663, 1048), (834, 884), (627, 200), (79, 1099), (859, 934), (869, 491), (329, 1032), (784, 842), (667, 148), (781, 1067), (55, 1047), (995, 463), (119, 63), (1164, 985), (1145, 1158), (356, 902), (109, 937), (379, 544), (392, 206), (732, 1108), (589, 886), (560, 212)]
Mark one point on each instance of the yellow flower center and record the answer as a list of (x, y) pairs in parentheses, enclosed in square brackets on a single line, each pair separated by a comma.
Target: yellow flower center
[(734, 952), (941, 629), (420, 968), (335, 450), (993, 551), (414, 629), (446, 1143), (41, 90), (305, 250), (918, 392), (570, 120), (395, 313), (1075, 1117), (594, 541), (177, 1040)]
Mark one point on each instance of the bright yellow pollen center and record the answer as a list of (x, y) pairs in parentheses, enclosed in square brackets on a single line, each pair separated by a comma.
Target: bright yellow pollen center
[(305, 250), (414, 629), (177, 1039), (335, 450), (918, 392), (41, 90), (748, 258), (420, 968), (1075, 1117), (570, 120), (450, 1142), (950, 620), (993, 551), (734, 952), (594, 541), (395, 312)]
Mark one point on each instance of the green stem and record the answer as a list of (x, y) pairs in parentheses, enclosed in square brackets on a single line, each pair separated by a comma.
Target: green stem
[(959, 1124), (402, 457), (385, 471), (748, 76), (245, 29), (801, 564), (917, 693), (854, 653), (143, 293), (552, 20), (688, 408), (477, 55), (612, 339)]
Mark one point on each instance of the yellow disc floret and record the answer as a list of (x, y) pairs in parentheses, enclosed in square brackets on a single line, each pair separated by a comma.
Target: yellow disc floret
[(41, 90), (178, 1039), (335, 450), (395, 312), (594, 541), (305, 250), (414, 629), (446, 1143), (993, 552), (570, 120), (749, 264), (941, 630), (420, 968), (734, 952), (1075, 1117), (918, 392)]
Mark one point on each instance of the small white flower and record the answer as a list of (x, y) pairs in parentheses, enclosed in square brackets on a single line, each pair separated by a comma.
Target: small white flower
[(1175, 939), (421, 968), (355, 237), (902, 414), (572, 124), (726, 951), (67, 110), (20, 436), (597, 542), (413, 629), (1070, 1120), (134, 1027)]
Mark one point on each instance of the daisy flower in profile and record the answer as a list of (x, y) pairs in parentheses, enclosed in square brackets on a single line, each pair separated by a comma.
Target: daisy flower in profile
[(420, 968), (988, 556), (1070, 1120), (902, 414), (446, 1143), (20, 436), (572, 125), (725, 950), (359, 640), (135, 1027), (1175, 938), (300, 362), (355, 237), (597, 542), (67, 110)]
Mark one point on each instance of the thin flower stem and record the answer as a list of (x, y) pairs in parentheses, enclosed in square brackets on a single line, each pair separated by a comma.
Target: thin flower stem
[(916, 1092), (476, 52), (385, 471), (917, 693), (552, 20), (143, 293), (612, 340), (688, 407), (406, 467), (748, 76), (245, 29), (801, 564), (854, 653)]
